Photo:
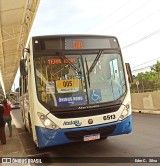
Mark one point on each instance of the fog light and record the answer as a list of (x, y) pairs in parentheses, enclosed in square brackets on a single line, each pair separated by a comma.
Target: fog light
[(47, 122)]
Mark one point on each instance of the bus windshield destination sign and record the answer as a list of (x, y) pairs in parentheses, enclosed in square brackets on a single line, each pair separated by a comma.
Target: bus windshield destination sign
[(61, 61), (78, 44)]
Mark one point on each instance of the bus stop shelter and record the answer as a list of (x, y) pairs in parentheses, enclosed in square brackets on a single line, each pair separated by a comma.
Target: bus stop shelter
[(16, 19)]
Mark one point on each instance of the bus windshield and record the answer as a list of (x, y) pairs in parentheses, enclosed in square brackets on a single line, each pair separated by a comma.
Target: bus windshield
[(82, 78)]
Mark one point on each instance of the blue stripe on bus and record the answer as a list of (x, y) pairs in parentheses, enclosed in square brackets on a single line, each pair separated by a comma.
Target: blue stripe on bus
[(47, 137)]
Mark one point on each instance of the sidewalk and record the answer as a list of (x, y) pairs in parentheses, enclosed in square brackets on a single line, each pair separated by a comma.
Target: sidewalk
[(13, 146)]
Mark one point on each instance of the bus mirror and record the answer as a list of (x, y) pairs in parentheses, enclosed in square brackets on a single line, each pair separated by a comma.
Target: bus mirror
[(128, 68), (23, 67)]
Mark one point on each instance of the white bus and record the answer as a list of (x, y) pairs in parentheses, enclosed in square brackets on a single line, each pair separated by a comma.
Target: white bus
[(74, 88)]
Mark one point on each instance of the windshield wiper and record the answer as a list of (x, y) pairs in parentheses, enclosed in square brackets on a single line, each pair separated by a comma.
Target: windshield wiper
[(92, 66), (95, 61), (62, 56), (87, 71)]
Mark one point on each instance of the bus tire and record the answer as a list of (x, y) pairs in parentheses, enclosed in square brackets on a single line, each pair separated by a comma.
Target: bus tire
[(37, 148), (102, 138), (25, 128), (30, 126)]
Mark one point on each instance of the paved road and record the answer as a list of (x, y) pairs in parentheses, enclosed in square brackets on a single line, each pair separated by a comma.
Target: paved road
[(144, 141)]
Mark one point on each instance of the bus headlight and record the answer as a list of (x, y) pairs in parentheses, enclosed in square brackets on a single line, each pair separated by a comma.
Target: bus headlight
[(47, 122), (125, 112)]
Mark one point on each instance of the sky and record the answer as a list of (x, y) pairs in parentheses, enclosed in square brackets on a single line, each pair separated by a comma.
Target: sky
[(134, 22)]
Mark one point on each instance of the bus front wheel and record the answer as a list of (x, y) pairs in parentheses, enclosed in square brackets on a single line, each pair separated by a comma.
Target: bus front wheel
[(30, 126), (102, 138)]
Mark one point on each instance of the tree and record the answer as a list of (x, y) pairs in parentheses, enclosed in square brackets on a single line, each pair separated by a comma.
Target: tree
[(156, 67), (148, 81)]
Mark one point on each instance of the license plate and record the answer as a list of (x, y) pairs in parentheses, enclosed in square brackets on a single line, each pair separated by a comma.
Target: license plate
[(91, 137)]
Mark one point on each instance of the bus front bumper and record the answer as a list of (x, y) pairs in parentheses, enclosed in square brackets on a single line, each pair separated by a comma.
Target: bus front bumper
[(47, 137)]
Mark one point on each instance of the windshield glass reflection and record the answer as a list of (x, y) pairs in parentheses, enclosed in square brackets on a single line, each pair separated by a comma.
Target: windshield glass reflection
[(100, 78)]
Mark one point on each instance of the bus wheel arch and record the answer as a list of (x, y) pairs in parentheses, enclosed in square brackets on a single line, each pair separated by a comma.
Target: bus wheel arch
[(31, 133)]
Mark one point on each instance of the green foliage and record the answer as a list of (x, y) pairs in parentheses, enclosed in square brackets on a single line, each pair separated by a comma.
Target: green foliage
[(148, 81), (156, 67)]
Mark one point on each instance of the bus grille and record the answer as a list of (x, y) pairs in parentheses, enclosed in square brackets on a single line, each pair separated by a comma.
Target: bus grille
[(78, 135), (86, 112)]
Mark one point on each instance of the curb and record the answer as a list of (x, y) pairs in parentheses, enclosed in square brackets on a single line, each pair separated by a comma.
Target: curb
[(146, 111)]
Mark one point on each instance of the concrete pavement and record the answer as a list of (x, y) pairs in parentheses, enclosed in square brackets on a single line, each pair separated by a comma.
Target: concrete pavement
[(13, 146)]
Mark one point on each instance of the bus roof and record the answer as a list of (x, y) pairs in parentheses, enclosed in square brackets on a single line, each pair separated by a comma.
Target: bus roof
[(74, 42), (74, 35)]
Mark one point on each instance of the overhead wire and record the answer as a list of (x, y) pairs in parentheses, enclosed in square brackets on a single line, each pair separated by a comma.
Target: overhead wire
[(111, 14), (146, 62), (144, 38), (145, 18), (147, 36), (145, 67), (142, 68), (134, 11)]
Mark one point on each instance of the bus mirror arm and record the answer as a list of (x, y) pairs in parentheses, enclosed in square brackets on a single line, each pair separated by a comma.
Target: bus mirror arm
[(24, 51), (23, 68)]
